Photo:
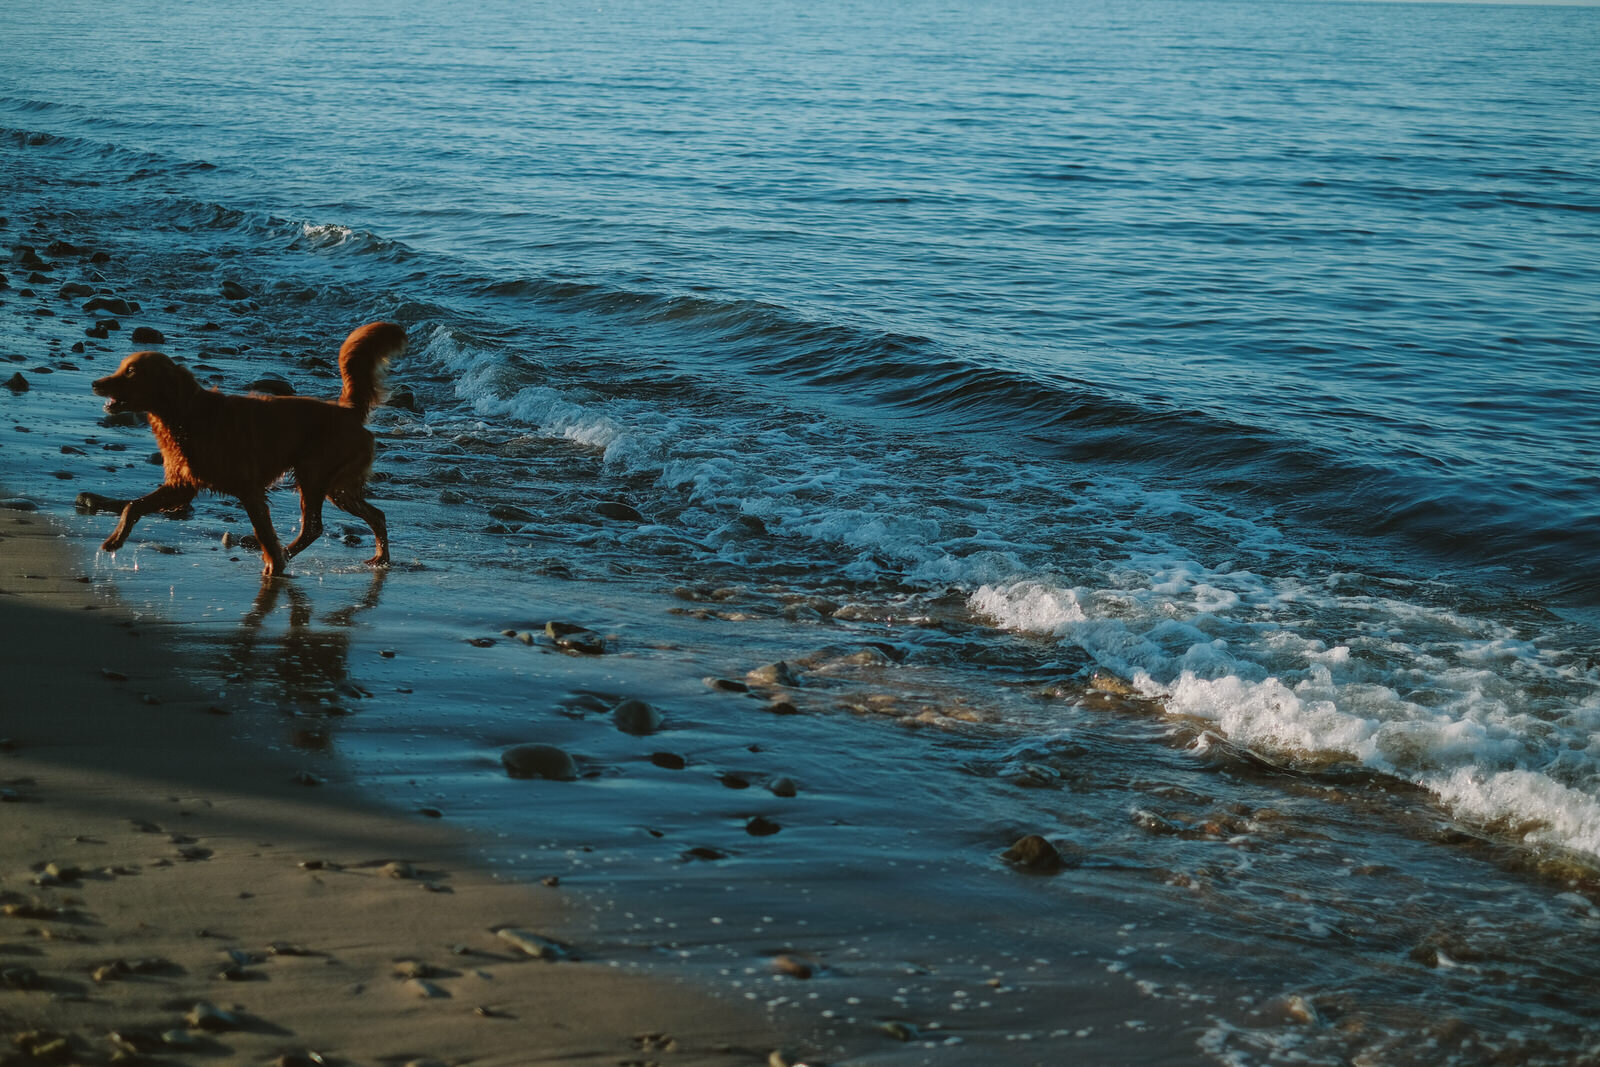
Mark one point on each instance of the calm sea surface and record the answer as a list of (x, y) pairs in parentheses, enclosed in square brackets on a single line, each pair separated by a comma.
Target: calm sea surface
[(1245, 353)]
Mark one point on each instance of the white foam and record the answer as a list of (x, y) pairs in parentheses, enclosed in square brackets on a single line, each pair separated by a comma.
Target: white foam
[(1430, 695), (1262, 639)]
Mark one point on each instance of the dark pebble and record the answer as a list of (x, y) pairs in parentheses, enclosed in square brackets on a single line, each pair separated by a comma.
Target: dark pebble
[(539, 761), (669, 760), (272, 386), (115, 305), (761, 826), (1034, 853), (636, 717), (17, 383), (147, 335)]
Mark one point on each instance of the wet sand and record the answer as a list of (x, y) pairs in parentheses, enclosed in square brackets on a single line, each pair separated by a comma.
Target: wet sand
[(220, 766), (153, 863)]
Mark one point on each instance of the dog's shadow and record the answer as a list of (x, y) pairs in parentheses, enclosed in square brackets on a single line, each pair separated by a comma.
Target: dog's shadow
[(305, 665)]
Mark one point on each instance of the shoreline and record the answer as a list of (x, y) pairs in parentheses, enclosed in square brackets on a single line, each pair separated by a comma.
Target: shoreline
[(189, 868)]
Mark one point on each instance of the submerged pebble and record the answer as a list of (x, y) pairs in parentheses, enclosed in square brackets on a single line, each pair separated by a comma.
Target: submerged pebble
[(1034, 853), (636, 717), (539, 761)]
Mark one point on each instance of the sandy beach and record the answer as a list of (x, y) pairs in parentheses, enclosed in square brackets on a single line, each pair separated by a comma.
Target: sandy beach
[(217, 796), (154, 864)]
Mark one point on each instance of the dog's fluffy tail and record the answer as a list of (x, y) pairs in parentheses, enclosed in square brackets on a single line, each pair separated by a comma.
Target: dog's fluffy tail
[(361, 360)]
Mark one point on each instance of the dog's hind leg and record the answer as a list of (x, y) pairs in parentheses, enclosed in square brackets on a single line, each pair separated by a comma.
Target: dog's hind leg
[(163, 498), (255, 506), (310, 521), (352, 501)]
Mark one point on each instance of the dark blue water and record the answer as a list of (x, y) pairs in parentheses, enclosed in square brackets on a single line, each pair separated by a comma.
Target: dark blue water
[(1337, 257), (1244, 351)]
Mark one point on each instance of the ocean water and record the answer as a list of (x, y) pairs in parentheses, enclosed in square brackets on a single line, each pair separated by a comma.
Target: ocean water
[(1185, 409)]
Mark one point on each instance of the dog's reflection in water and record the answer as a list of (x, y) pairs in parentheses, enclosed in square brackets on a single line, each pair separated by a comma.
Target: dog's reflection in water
[(305, 668)]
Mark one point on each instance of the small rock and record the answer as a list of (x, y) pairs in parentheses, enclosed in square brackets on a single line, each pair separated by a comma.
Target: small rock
[(232, 290), (535, 945), (404, 399), (668, 760), (399, 869), (147, 335), (1034, 853), (539, 761), (727, 685), (75, 289), (17, 383), (636, 717), (575, 638), (761, 826), (271, 386), (773, 674), (898, 1030), (783, 787), (113, 304), (207, 1016), (704, 852), (793, 966)]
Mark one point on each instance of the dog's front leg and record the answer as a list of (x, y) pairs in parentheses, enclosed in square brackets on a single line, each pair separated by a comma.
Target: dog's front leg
[(260, 514), (163, 498)]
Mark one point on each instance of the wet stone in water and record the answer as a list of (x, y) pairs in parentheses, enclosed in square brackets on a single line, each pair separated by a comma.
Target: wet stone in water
[(636, 717), (1034, 853), (539, 761)]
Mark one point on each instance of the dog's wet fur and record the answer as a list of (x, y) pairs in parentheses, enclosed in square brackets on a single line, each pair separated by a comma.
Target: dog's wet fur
[(242, 445)]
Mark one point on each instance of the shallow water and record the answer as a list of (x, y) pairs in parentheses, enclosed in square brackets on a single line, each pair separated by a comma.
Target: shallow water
[(1166, 427)]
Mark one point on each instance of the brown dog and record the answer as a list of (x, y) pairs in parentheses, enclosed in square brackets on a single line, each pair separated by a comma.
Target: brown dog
[(242, 445)]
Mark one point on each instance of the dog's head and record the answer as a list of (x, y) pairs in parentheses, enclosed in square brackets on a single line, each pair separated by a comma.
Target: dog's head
[(146, 381)]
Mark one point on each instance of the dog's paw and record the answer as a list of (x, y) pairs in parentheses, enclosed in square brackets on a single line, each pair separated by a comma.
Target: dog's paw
[(112, 543)]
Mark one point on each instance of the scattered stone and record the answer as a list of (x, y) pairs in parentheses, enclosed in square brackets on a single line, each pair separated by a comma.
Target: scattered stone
[(94, 502), (773, 674), (75, 289), (616, 509), (734, 781), (535, 945), (572, 638), (399, 869), (209, 1017), (791, 965), (783, 787), (727, 685), (539, 761), (636, 717), (782, 706), (668, 760), (147, 335), (17, 383), (898, 1030), (430, 812), (703, 852), (761, 826), (271, 385), (232, 290), (115, 305), (404, 399), (1034, 853)]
